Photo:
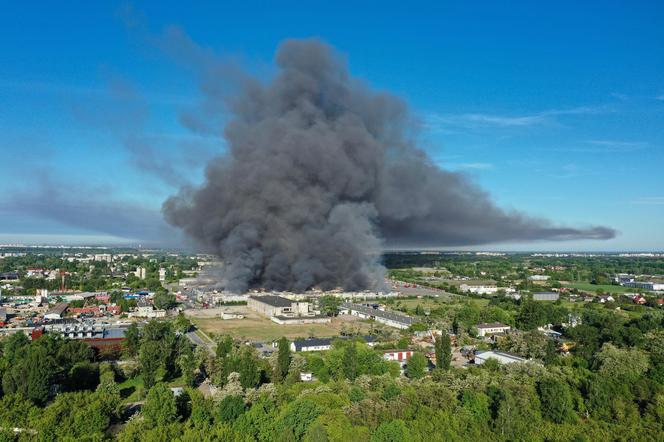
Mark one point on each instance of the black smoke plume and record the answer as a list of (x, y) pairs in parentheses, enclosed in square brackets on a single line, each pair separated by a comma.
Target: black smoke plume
[(321, 173)]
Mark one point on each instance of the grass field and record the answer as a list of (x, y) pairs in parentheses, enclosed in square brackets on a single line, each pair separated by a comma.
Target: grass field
[(430, 303), (255, 327), (593, 288)]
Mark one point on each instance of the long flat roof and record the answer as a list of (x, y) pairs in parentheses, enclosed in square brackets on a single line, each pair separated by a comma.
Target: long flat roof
[(379, 313), (500, 356), (317, 342), (273, 300)]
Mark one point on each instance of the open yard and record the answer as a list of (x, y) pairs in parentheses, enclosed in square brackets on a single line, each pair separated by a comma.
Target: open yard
[(255, 327)]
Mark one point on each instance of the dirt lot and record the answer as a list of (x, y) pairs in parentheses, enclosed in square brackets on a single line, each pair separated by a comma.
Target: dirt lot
[(255, 327)]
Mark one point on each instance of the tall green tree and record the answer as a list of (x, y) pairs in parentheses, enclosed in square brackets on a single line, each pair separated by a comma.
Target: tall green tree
[(350, 362), (329, 305), (224, 346), (31, 375), (230, 408), (150, 358), (416, 366), (556, 401), (283, 360), (443, 346), (532, 315), (160, 407), (132, 341), (187, 362)]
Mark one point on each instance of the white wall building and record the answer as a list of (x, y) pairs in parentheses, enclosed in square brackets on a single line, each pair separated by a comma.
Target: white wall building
[(538, 278), (140, 272), (285, 311), (485, 329), (479, 289)]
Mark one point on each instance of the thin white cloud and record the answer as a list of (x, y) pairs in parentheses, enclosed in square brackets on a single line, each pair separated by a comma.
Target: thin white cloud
[(606, 146), (471, 166), (438, 121)]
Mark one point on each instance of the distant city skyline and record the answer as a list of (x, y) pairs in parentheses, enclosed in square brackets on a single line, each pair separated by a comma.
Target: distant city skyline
[(555, 110)]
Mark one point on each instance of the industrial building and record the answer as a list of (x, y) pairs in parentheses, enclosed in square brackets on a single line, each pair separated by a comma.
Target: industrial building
[(57, 311), (285, 311), (645, 285), (384, 317), (546, 296)]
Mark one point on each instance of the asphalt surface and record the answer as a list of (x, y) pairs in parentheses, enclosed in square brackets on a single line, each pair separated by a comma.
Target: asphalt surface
[(198, 341)]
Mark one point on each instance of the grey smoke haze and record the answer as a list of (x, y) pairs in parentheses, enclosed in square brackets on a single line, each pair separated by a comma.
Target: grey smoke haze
[(91, 209), (321, 173)]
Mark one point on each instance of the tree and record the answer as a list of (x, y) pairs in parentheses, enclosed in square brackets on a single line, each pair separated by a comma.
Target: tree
[(150, 358), (12, 344), (164, 301), (245, 362), (182, 324), (443, 347), (224, 347), (283, 360), (160, 407), (623, 365), (531, 344), (455, 326), (188, 364), (556, 401), (350, 363), (518, 416), (230, 408), (31, 375), (200, 409), (392, 431), (329, 305), (83, 376), (132, 340), (416, 366), (71, 352), (531, 316), (297, 417)]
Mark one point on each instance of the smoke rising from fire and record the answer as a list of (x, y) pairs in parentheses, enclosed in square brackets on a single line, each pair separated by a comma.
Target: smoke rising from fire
[(321, 173)]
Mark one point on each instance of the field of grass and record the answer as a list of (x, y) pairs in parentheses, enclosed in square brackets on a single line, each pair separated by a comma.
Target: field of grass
[(430, 303), (257, 328), (593, 288)]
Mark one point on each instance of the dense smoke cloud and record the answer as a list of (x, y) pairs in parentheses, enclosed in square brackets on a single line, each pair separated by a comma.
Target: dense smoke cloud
[(321, 173)]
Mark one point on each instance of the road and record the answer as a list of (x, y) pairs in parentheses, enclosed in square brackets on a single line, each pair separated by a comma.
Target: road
[(198, 341)]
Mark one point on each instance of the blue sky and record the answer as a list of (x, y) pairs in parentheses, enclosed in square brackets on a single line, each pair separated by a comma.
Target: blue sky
[(556, 109)]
